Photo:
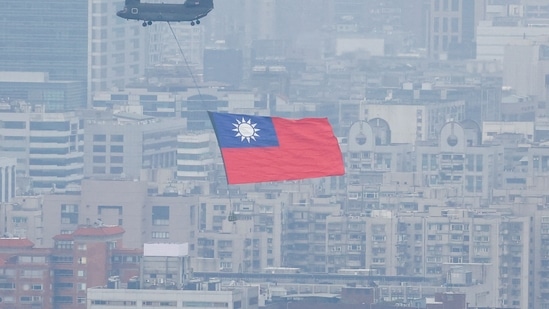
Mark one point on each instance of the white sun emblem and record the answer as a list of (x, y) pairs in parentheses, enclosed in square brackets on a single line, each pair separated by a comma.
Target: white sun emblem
[(245, 129)]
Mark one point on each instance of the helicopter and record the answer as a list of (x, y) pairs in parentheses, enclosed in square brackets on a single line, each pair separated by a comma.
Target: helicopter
[(190, 10)]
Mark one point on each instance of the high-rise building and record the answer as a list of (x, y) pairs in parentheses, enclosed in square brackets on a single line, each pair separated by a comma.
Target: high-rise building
[(452, 28), (72, 41), (48, 147)]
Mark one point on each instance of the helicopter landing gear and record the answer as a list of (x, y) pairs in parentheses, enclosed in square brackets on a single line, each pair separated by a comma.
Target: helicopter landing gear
[(146, 23), (197, 22)]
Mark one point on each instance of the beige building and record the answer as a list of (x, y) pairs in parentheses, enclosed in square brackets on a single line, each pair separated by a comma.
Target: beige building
[(23, 218), (145, 218), (243, 233)]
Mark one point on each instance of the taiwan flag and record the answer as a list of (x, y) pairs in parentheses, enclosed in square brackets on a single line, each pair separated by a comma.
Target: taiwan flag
[(262, 149)]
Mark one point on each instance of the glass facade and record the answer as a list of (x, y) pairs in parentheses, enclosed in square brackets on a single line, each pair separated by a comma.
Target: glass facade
[(45, 36)]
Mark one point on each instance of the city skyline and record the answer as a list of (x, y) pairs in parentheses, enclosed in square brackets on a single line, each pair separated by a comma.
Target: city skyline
[(439, 107)]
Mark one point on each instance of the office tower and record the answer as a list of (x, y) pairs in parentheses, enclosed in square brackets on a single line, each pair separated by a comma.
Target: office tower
[(451, 29), (48, 147), (72, 41), (129, 143)]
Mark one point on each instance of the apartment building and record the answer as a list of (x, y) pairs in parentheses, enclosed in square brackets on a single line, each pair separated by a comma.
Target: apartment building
[(459, 160), (244, 232), (81, 260), (56, 277), (305, 237), (26, 275), (345, 243), (23, 218)]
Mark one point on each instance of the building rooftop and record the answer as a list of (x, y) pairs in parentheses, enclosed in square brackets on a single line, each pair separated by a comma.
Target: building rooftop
[(15, 243)]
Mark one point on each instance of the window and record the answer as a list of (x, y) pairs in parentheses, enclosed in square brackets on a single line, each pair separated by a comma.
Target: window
[(99, 170), (99, 159), (117, 138), (455, 5), (160, 235), (117, 170), (117, 148), (99, 137), (19, 219), (13, 124), (99, 148), (160, 215)]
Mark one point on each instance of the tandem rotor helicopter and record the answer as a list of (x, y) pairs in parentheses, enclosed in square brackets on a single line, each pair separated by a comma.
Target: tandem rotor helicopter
[(190, 10)]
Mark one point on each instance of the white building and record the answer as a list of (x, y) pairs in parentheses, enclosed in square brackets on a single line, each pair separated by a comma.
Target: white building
[(48, 147), (492, 40), (237, 298), (7, 179), (194, 156), (526, 69)]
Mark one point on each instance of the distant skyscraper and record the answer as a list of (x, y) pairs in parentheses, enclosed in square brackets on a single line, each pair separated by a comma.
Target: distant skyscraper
[(452, 28), (72, 40)]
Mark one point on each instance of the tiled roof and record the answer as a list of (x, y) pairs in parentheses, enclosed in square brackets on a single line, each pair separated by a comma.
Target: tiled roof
[(15, 243), (98, 231), (63, 237)]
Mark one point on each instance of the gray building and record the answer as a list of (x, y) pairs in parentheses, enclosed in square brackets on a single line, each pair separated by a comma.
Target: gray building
[(36, 88)]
